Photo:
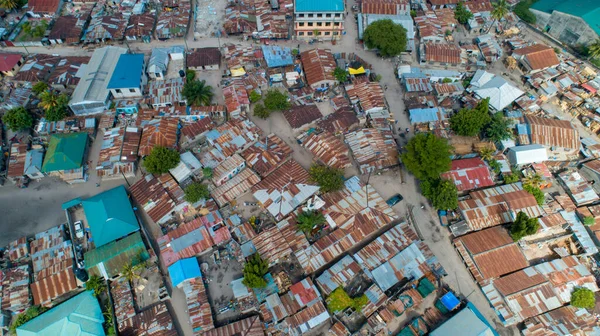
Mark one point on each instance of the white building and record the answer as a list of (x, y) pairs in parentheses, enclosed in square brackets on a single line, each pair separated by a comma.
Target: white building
[(521, 155)]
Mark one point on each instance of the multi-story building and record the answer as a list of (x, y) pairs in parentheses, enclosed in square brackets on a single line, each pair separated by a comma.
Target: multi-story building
[(128, 79), (319, 19)]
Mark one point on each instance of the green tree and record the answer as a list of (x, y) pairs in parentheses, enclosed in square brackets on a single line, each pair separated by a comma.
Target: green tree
[(39, 87), (196, 191), (131, 271), (593, 50), (462, 14), (207, 172), (31, 313), (533, 180), (339, 300), (275, 100), (523, 12), (254, 96), (340, 74), (49, 100), (254, 272), (510, 178), (10, 4), (583, 298), (328, 178), (499, 128), (442, 193), (160, 160), (17, 119), (446, 80), (427, 156), (308, 220), (197, 93), (589, 220), (261, 111), (295, 52), (96, 284), (190, 75), (536, 192), (470, 122), (413, 13), (495, 165), (40, 29), (523, 226), (109, 323), (56, 114), (386, 36), (499, 11), (486, 153)]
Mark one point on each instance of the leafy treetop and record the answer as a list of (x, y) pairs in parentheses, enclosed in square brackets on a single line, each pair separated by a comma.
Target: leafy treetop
[(197, 93), (195, 192), (470, 122), (523, 226), (583, 298), (254, 96), (328, 178), (275, 100), (308, 220), (254, 272), (18, 119), (427, 156), (340, 75), (386, 36), (442, 193), (160, 160), (261, 111), (462, 14)]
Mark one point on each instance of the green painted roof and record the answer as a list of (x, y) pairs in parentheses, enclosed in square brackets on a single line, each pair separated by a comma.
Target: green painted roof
[(81, 315), (588, 10), (65, 152), (115, 255), (110, 216)]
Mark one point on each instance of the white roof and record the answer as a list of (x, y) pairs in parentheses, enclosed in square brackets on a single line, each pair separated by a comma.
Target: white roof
[(519, 155), (465, 323), (188, 164), (499, 90)]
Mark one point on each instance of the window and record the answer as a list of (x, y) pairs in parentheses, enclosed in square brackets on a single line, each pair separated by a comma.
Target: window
[(336, 33), (338, 15), (301, 24), (319, 15), (309, 33), (336, 24), (327, 33), (310, 24), (328, 15), (301, 15), (327, 24), (132, 91), (319, 24), (118, 90), (310, 15), (300, 33)]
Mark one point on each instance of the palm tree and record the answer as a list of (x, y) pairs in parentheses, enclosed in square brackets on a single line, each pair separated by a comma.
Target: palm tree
[(308, 220), (50, 100), (9, 4), (500, 10), (197, 93), (486, 153), (130, 272), (96, 284), (594, 49), (533, 180)]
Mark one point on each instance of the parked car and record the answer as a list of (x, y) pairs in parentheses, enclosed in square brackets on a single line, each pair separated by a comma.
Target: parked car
[(394, 200), (78, 229)]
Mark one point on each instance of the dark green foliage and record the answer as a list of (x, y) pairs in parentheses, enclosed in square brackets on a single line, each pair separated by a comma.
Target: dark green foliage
[(446, 80), (583, 298), (96, 284), (160, 160), (536, 192), (255, 270), (261, 111), (197, 93), (195, 192), (413, 13), (254, 96), (39, 87), (427, 156), (31, 313), (275, 100), (56, 114), (523, 12), (470, 122), (462, 14), (495, 165), (523, 226), (499, 128), (308, 220), (190, 75), (207, 172), (442, 193), (386, 36), (340, 74), (589, 220), (328, 178), (18, 119), (511, 178)]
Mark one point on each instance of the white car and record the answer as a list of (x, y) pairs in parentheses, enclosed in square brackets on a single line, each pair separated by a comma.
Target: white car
[(78, 229)]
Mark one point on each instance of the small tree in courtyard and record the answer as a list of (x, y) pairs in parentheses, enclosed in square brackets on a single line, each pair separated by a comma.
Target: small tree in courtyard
[(197, 93), (427, 156), (387, 37), (18, 119), (96, 284), (583, 298), (160, 160), (462, 14), (340, 75), (195, 192), (523, 226), (254, 272), (254, 96), (207, 172), (261, 111), (442, 193), (275, 100), (308, 220), (328, 178)]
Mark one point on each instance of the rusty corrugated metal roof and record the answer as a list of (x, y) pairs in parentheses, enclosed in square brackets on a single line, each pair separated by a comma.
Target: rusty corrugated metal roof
[(328, 149), (159, 132), (236, 187), (318, 66), (264, 156)]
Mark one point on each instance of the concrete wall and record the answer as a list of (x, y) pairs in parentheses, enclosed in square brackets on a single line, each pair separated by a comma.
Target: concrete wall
[(569, 29), (126, 93)]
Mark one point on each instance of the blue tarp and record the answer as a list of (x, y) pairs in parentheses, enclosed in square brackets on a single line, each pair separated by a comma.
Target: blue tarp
[(423, 115), (184, 269), (450, 301)]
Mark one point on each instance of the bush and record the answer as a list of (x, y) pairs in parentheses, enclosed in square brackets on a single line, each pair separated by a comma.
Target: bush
[(254, 96), (160, 160), (340, 75), (255, 270), (523, 226), (446, 80), (583, 298), (31, 313), (536, 192), (195, 192), (589, 220), (207, 172), (495, 165), (39, 87), (328, 178), (190, 75), (275, 100), (96, 284), (510, 178), (339, 300)]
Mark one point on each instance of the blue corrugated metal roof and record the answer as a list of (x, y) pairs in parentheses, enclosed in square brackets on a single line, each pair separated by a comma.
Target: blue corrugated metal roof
[(422, 115), (184, 269), (277, 56), (319, 6), (128, 72), (450, 301), (522, 129)]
